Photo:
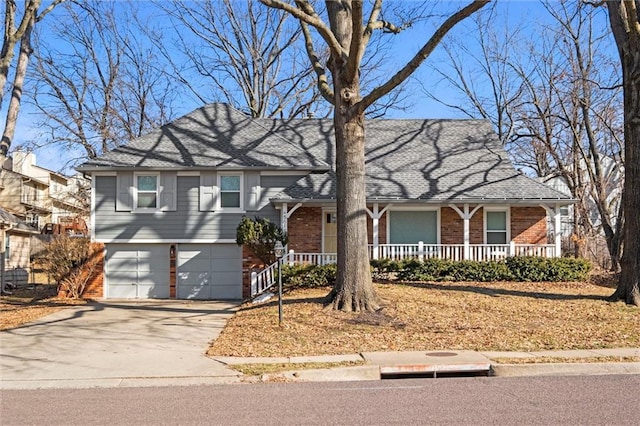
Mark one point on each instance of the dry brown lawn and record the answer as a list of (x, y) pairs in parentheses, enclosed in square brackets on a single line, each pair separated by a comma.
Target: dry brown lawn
[(28, 304), (503, 316)]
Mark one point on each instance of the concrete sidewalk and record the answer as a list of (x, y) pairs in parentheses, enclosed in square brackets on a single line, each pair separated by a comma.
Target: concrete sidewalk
[(162, 343), (117, 343), (432, 363)]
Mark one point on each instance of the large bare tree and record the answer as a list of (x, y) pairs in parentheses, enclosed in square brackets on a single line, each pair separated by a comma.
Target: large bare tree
[(240, 53), (31, 14), (624, 17), (554, 103), (97, 82), (347, 34)]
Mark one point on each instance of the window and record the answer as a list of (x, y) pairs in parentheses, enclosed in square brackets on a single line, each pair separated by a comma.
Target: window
[(411, 227), (230, 191), (146, 192), (496, 227)]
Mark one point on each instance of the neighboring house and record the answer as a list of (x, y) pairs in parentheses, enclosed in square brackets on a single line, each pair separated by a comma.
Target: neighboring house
[(17, 247), (40, 196), (613, 179), (167, 205)]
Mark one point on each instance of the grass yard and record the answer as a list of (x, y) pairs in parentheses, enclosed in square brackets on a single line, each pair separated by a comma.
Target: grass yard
[(502, 316)]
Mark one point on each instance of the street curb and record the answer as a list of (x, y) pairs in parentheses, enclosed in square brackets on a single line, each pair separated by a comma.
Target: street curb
[(565, 369), (124, 382)]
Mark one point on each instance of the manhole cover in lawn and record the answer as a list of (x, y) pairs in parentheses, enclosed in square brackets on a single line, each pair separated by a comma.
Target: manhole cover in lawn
[(441, 354)]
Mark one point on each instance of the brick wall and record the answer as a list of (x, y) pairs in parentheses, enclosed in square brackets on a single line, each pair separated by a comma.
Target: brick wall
[(305, 230), (528, 225), (95, 285)]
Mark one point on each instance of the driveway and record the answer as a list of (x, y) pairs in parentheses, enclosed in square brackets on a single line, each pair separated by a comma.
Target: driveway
[(117, 343)]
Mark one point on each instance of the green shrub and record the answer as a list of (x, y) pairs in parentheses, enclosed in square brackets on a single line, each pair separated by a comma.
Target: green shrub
[(530, 268), (384, 268), (512, 269), (260, 236), (432, 269), (309, 276)]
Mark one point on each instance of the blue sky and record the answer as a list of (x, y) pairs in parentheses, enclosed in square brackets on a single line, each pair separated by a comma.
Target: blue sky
[(529, 14)]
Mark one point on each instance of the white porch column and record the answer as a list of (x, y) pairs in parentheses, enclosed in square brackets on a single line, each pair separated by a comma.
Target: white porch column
[(557, 226), (557, 230), (466, 216), (284, 217), (375, 216), (285, 214)]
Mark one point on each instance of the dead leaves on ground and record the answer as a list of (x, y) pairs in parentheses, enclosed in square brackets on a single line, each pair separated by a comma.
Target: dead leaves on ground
[(437, 316)]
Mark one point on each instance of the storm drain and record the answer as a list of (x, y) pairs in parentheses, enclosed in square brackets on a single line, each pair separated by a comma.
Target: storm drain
[(394, 365)]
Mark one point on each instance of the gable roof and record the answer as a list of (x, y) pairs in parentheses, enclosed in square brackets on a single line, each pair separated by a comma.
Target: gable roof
[(17, 225), (214, 136), (439, 160), (427, 160)]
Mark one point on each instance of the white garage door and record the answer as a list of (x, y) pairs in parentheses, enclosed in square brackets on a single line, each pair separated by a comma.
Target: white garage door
[(137, 271), (209, 271)]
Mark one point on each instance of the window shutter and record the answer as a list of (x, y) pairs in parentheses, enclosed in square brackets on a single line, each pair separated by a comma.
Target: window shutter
[(124, 189), (168, 191), (252, 191), (208, 191)]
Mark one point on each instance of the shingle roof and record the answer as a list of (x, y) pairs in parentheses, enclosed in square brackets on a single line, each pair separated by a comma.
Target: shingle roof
[(439, 160), (215, 135), (419, 160), (16, 223)]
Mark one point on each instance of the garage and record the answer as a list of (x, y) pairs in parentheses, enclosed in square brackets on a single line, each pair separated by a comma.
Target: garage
[(137, 271), (209, 271)]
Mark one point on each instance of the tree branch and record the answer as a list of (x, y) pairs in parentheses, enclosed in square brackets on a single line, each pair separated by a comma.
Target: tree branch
[(323, 82), (305, 13), (356, 49), (422, 54)]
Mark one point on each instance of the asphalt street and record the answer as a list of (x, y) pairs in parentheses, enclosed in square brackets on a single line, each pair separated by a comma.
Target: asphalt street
[(584, 400)]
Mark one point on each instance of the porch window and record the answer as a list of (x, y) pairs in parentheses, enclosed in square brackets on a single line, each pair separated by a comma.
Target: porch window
[(496, 227), (411, 227), (146, 191), (230, 191)]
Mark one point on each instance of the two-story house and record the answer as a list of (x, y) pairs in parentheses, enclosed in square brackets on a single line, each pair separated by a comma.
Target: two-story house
[(175, 196), (40, 196)]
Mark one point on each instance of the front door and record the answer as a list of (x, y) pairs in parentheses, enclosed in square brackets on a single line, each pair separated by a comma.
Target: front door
[(330, 232)]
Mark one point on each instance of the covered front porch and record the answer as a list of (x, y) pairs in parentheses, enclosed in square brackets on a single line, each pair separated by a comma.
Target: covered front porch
[(477, 232), (480, 231)]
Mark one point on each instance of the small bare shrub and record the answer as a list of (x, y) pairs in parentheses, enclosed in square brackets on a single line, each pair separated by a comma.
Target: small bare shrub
[(63, 258)]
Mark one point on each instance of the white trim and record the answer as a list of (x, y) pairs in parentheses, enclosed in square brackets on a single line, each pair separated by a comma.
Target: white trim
[(104, 173), (92, 211), (134, 207), (284, 173), (187, 173), (505, 209), (171, 241), (219, 207), (556, 214)]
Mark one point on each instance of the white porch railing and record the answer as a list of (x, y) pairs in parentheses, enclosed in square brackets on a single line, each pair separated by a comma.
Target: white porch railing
[(477, 252), (294, 258), (261, 281)]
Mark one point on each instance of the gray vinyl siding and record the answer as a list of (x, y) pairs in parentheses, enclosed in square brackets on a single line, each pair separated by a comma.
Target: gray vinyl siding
[(187, 222), (273, 185)]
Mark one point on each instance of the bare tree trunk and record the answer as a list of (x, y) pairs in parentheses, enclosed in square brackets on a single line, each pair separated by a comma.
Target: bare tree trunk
[(354, 289), (16, 92), (624, 17)]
